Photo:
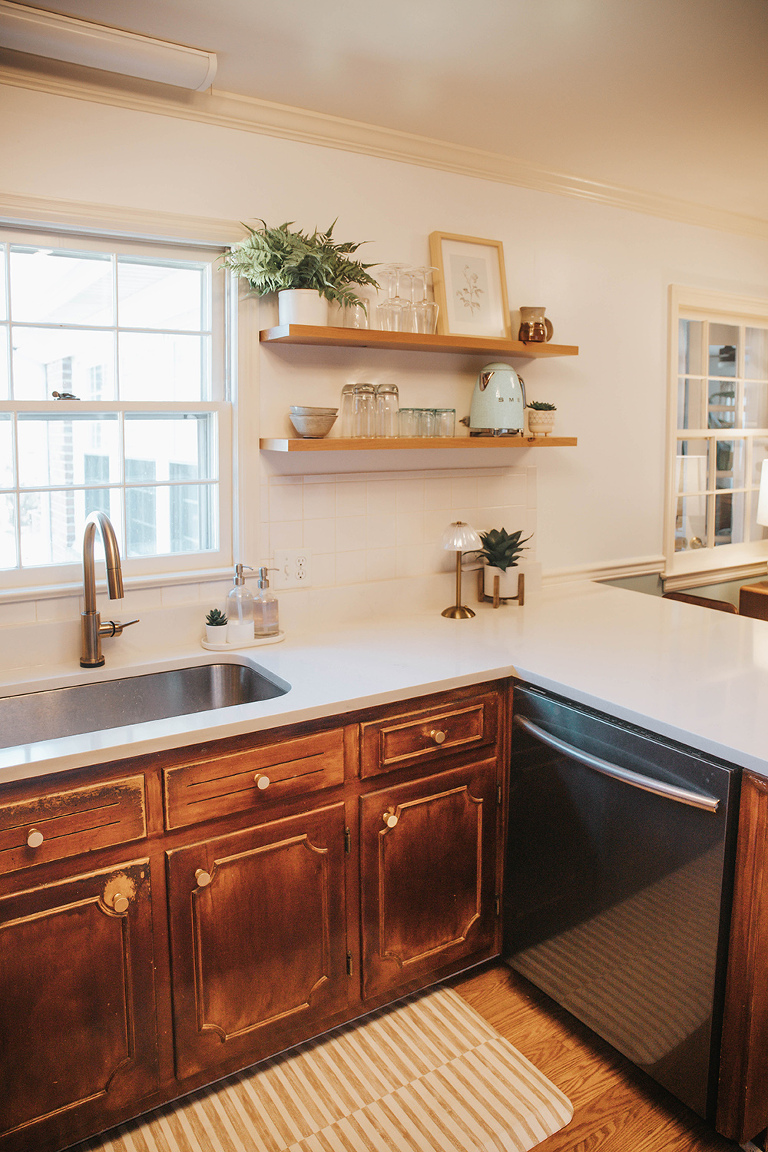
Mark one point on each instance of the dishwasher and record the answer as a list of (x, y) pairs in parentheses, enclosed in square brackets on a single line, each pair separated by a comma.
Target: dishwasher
[(618, 882)]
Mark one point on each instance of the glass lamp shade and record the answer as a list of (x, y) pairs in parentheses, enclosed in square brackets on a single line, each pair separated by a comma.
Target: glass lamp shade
[(461, 537), (762, 499)]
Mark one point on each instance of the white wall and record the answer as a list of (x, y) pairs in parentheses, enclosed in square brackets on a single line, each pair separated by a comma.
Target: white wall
[(602, 273)]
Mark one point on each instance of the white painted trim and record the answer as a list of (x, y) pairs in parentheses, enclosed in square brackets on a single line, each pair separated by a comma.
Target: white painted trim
[(700, 579), (247, 114), (109, 220), (615, 570)]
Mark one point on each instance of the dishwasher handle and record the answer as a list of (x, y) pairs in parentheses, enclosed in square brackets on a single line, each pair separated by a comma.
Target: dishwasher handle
[(625, 775)]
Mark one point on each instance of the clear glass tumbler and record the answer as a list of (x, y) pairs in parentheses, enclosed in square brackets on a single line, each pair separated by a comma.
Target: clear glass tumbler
[(445, 421), (408, 421), (364, 410), (347, 421), (387, 409), (426, 422)]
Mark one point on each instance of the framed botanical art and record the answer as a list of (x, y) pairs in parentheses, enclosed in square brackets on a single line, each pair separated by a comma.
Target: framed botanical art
[(470, 285)]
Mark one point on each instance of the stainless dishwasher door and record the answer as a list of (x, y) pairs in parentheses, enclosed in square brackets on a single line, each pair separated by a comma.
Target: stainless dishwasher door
[(617, 887)]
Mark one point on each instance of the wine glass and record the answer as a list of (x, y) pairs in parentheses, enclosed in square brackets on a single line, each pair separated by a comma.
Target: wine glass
[(423, 310), (395, 312)]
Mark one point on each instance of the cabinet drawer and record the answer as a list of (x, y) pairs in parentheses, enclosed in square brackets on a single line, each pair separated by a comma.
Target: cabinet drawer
[(238, 781), (431, 734), (70, 822)]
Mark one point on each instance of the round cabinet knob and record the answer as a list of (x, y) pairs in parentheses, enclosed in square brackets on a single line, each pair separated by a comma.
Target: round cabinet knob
[(120, 903), (203, 878), (34, 838), (262, 782), (437, 735), (390, 819)]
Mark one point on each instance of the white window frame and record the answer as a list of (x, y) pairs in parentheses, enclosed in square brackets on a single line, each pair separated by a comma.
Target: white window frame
[(16, 583), (727, 561)]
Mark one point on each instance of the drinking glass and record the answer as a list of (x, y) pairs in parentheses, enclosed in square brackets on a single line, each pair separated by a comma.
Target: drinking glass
[(426, 422), (394, 313), (408, 421), (364, 409), (387, 409), (347, 410), (445, 421), (423, 310)]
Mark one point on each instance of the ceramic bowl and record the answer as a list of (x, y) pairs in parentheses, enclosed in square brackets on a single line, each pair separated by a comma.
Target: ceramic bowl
[(312, 427), (298, 410)]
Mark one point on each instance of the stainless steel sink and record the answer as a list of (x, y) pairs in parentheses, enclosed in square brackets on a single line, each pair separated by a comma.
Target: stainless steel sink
[(91, 707)]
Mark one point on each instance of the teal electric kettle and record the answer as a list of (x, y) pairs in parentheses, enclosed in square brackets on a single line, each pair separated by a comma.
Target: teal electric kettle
[(498, 402)]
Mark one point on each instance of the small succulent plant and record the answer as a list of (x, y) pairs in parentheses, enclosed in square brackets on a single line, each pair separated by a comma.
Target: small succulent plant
[(542, 406), (501, 548), (216, 617)]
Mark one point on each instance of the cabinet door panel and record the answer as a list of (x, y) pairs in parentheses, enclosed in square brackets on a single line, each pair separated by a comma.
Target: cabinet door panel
[(77, 996), (428, 880), (260, 948)]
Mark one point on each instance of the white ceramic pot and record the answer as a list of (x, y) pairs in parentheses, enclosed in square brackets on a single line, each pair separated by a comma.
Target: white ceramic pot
[(216, 633), (302, 306), (507, 580), (540, 423)]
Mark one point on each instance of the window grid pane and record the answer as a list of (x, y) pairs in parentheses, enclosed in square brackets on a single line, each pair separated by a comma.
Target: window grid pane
[(103, 326), (724, 391)]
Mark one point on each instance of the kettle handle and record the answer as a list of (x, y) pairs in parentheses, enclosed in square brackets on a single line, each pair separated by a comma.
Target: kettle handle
[(522, 389)]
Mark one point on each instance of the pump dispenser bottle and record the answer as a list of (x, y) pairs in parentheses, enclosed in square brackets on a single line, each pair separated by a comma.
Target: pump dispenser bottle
[(239, 609), (265, 607)]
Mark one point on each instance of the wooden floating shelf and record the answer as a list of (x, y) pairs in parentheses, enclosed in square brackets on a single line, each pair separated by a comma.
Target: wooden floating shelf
[(409, 443), (409, 341)]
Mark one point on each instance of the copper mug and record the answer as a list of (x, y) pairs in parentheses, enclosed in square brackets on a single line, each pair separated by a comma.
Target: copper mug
[(535, 328)]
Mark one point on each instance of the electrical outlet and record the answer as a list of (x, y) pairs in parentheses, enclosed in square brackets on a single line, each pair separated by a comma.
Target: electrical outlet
[(293, 568)]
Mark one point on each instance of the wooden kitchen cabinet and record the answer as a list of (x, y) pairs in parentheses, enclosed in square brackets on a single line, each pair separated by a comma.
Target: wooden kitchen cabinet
[(77, 1004), (286, 901), (258, 937), (429, 892), (742, 1109)]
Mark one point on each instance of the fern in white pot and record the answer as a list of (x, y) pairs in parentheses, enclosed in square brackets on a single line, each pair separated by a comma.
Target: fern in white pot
[(306, 270)]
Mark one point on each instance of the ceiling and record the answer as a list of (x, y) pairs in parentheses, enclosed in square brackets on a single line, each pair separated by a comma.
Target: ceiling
[(669, 97)]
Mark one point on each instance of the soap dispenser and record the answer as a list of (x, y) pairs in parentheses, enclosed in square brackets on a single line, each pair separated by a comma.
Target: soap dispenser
[(239, 609), (265, 607)]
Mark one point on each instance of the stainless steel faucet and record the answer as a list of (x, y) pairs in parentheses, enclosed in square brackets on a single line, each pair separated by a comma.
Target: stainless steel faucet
[(91, 627)]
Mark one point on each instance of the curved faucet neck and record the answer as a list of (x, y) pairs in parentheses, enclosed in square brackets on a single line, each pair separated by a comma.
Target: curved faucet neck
[(112, 557)]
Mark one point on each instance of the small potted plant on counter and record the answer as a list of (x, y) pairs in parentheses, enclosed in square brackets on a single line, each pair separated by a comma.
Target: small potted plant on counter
[(305, 270), (216, 626), (541, 417), (501, 551)]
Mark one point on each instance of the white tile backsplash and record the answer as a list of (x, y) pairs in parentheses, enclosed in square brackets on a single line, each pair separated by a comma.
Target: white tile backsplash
[(363, 527)]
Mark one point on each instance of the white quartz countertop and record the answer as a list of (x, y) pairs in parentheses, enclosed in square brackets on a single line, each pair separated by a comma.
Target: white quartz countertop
[(692, 674)]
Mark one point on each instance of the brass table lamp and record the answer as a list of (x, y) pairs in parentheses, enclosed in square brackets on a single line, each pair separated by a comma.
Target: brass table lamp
[(459, 537)]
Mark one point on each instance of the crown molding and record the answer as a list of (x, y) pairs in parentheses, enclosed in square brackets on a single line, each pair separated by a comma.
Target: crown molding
[(248, 114)]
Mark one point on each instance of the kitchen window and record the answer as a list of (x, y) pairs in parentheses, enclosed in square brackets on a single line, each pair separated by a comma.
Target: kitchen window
[(113, 396), (718, 436)]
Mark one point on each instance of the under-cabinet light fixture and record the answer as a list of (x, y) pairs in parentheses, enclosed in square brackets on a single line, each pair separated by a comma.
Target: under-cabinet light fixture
[(40, 33)]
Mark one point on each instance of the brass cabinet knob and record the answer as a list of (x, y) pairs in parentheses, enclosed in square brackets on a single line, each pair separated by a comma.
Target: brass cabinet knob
[(203, 878), (120, 903), (437, 735), (34, 838), (262, 781), (390, 819)]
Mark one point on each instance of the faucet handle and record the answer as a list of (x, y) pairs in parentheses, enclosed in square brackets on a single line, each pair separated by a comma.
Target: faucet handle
[(115, 627)]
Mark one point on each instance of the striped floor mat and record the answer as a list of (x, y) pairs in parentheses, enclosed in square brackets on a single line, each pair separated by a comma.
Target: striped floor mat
[(425, 1075)]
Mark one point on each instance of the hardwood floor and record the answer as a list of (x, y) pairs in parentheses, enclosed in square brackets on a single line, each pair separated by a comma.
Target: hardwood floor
[(617, 1108)]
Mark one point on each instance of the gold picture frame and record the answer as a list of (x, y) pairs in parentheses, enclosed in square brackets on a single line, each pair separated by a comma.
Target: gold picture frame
[(470, 285)]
